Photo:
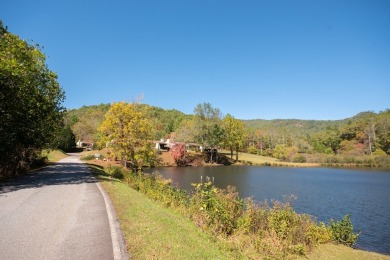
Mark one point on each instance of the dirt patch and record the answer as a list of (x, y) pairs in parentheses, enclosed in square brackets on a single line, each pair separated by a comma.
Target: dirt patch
[(166, 159)]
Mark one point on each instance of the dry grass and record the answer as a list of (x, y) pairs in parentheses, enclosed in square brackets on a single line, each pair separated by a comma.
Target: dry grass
[(331, 251)]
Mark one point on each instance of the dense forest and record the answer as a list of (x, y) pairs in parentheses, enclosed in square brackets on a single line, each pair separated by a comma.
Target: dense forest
[(350, 140), (364, 133)]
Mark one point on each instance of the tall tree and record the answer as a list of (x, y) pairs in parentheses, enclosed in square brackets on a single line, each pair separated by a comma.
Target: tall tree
[(66, 139), (383, 129), (328, 140), (259, 136), (129, 132), (31, 111), (187, 131), (207, 120), (234, 134)]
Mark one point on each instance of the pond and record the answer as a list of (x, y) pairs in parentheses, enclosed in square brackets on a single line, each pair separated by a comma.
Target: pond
[(324, 193)]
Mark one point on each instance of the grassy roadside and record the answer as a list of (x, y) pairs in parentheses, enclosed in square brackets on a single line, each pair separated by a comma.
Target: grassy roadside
[(152, 231), (54, 155)]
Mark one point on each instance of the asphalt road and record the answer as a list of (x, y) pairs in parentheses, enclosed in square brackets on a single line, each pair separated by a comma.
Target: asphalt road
[(59, 212)]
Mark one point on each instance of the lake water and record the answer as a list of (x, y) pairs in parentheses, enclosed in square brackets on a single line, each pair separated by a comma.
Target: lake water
[(321, 192)]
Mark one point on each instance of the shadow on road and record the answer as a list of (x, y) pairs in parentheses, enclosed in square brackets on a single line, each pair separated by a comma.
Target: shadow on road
[(57, 174)]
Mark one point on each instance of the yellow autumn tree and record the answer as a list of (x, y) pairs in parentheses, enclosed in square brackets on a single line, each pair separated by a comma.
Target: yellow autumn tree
[(128, 131)]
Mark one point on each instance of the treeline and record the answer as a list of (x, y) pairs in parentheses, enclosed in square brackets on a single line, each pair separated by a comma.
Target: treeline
[(365, 134), (31, 111)]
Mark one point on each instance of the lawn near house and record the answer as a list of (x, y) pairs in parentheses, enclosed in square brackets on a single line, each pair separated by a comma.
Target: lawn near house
[(247, 158)]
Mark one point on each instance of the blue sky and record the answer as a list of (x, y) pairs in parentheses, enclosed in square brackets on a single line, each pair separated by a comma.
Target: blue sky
[(261, 59)]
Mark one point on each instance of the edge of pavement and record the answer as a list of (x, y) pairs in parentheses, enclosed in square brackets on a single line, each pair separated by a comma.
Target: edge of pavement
[(118, 242)]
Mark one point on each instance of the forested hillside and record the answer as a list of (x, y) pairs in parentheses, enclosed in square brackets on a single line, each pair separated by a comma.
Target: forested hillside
[(296, 126), (366, 133), (86, 120)]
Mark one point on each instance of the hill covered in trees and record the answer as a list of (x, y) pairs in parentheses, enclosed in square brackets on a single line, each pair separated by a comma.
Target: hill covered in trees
[(364, 133), (86, 120)]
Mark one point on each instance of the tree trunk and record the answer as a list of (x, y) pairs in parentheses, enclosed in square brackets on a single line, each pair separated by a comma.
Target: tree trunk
[(261, 147), (369, 144)]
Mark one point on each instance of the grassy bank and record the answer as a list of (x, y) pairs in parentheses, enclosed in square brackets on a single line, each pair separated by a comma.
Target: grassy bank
[(318, 160), (148, 225), (336, 252), (152, 231), (253, 159)]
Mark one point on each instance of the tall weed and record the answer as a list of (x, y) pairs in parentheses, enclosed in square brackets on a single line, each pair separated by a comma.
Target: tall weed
[(218, 209)]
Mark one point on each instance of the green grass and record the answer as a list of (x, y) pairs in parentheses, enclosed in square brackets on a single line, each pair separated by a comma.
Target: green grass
[(152, 231), (54, 155), (265, 160)]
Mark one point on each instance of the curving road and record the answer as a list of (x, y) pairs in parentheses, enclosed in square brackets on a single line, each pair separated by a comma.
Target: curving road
[(59, 212)]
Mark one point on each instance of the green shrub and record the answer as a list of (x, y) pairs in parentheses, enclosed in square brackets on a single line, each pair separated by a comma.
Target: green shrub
[(318, 234), (115, 172), (254, 218), (216, 209), (328, 151), (332, 159), (342, 231), (90, 157), (379, 152), (252, 150), (38, 161), (382, 161), (299, 159)]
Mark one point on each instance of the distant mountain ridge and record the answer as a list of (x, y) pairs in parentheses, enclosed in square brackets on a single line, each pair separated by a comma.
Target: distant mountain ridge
[(303, 125)]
